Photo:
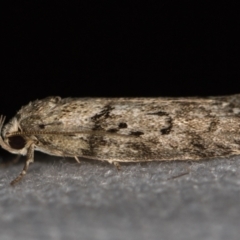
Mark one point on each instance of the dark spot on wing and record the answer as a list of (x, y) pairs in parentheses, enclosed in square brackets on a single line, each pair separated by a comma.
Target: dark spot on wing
[(97, 127), (94, 141), (56, 123), (103, 114), (198, 145), (71, 135), (159, 113), (112, 130), (41, 126), (136, 133), (100, 117), (197, 142), (122, 125), (200, 149), (167, 130), (213, 126)]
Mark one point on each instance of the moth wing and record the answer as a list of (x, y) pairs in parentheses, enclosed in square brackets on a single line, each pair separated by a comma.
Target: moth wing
[(141, 129)]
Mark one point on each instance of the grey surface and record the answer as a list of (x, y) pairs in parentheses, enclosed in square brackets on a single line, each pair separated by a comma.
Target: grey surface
[(59, 199)]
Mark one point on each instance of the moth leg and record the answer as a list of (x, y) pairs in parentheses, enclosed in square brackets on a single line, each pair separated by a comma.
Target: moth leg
[(180, 175), (117, 165), (76, 158), (30, 159)]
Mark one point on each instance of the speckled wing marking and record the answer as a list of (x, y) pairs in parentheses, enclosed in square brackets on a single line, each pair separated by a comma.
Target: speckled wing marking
[(141, 129)]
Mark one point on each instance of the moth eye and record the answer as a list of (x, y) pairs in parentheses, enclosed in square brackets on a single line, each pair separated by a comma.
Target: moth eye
[(16, 142)]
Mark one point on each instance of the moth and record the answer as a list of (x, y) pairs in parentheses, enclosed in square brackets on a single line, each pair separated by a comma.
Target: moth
[(125, 129)]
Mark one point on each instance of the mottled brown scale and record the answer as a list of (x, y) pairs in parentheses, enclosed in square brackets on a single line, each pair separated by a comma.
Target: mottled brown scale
[(126, 129)]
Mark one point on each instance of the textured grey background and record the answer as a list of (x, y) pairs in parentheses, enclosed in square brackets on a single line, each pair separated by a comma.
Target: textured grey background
[(59, 199)]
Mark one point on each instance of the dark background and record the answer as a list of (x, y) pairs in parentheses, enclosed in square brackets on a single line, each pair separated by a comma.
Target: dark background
[(110, 48)]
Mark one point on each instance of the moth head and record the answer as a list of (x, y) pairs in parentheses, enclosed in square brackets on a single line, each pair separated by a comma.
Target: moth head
[(11, 138)]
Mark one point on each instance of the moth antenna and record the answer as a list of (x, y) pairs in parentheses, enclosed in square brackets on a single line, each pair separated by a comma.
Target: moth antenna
[(32, 133), (66, 133), (42, 133)]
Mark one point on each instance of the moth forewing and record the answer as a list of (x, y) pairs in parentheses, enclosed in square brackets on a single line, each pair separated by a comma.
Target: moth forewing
[(125, 129)]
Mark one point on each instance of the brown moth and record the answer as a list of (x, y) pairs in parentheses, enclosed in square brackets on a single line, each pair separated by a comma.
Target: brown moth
[(125, 129)]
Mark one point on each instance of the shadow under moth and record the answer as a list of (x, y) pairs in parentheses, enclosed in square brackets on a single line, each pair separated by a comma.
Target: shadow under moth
[(125, 129)]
